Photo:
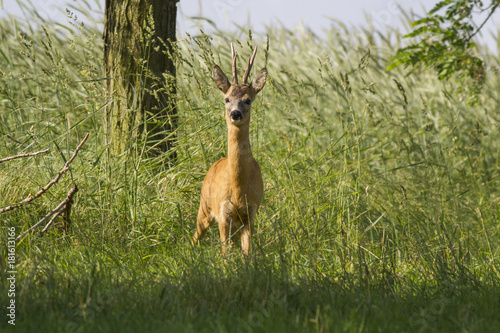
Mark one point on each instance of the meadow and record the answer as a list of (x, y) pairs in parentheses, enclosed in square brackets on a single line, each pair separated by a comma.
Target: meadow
[(381, 208)]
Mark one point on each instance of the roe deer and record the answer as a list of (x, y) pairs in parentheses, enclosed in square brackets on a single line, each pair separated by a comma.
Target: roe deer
[(232, 189)]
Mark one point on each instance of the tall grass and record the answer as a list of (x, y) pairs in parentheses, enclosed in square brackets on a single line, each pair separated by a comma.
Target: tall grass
[(381, 208)]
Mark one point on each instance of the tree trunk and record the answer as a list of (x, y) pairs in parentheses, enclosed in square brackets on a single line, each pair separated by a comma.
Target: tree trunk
[(140, 74)]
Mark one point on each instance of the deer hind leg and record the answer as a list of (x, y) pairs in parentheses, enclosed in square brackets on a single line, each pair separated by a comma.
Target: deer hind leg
[(204, 221)]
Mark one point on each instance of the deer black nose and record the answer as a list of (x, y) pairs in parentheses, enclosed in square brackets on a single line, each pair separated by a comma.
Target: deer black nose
[(236, 115)]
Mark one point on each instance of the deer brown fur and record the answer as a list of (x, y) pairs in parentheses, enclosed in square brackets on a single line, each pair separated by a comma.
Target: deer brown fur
[(233, 189)]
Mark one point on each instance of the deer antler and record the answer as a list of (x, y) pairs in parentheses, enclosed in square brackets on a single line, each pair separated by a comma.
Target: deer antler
[(235, 71), (250, 63)]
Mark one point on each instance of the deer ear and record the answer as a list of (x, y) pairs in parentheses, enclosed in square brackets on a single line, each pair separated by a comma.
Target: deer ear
[(221, 79), (259, 81)]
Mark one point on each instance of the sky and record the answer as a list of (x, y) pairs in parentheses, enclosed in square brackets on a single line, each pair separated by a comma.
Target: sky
[(227, 14)]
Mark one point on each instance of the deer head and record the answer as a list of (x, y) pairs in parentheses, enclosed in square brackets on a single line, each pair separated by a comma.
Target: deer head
[(238, 98)]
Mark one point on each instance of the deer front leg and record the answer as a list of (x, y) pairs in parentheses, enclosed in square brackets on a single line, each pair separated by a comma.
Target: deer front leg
[(225, 222), (224, 228), (248, 229), (245, 239)]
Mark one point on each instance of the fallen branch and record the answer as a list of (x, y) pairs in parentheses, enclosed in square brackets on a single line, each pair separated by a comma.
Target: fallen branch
[(23, 155), (65, 211), (58, 210), (30, 197), (52, 220)]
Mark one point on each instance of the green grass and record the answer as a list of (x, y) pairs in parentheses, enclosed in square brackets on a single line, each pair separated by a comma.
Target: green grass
[(381, 208)]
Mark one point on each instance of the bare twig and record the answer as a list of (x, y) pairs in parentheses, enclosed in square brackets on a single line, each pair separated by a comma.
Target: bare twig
[(52, 220), (30, 197), (67, 212), (23, 155), (58, 210)]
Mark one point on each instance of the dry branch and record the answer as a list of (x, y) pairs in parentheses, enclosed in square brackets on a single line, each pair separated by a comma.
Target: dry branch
[(23, 155), (30, 197), (58, 210)]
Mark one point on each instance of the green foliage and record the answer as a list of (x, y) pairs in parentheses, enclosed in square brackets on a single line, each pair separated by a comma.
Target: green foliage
[(381, 209), (446, 44)]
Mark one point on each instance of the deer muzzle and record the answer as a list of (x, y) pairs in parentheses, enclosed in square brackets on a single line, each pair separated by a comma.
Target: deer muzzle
[(236, 116)]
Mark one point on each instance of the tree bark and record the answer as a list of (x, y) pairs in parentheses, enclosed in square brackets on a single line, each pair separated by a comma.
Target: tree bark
[(140, 75)]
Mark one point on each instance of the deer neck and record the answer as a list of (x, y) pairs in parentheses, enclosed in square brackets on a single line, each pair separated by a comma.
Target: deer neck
[(240, 159)]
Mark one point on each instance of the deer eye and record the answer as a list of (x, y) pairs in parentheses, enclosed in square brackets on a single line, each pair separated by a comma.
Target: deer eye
[(248, 101), (227, 100)]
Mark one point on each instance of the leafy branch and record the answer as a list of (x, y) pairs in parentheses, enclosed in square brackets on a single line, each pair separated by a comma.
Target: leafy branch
[(446, 44)]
